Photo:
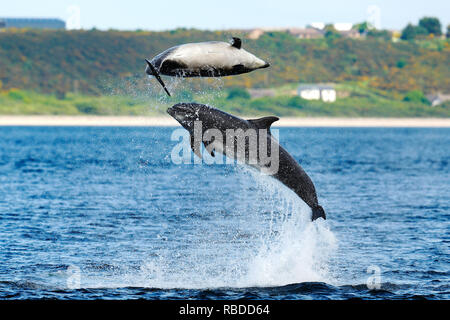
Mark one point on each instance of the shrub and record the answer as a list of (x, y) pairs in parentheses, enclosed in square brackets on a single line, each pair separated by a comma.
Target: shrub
[(238, 93), (297, 102), (85, 107), (401, 63), (380, 34), (19, 95), (411, 32), (416, 96)]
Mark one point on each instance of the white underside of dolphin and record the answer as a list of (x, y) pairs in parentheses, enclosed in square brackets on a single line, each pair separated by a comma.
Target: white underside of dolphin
[(204, 59), (215, 54)]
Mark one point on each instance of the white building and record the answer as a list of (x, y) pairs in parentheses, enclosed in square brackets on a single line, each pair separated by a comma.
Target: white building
[(326, 93), (32, 23), (437, 98)]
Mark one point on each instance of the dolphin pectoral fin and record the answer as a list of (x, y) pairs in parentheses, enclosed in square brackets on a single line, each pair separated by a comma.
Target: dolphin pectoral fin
[(156, 74), (318, 212), (263, 123), (196, 148)]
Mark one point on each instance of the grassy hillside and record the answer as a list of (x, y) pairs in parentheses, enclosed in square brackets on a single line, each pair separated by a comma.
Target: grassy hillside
[(88, 62), (361, 102)]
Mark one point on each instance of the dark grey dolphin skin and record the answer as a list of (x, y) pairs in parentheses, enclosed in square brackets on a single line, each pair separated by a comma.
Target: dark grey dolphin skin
[(203, 59), (289, 172)]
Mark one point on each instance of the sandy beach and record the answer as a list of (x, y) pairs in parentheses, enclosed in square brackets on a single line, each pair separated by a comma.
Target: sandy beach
[(167, 121)]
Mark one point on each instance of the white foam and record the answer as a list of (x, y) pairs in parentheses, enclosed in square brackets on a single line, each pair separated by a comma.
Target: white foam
[(281, 246), (301, 250)]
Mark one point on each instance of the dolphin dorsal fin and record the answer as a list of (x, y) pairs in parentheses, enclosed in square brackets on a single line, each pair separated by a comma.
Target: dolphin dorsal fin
[(236, 42), (263, 123)]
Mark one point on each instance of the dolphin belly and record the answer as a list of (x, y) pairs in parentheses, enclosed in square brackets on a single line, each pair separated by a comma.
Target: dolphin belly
[(212, 63), (206, 59)]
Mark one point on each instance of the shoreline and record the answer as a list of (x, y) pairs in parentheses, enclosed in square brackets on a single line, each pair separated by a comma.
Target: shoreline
[(161, 121)]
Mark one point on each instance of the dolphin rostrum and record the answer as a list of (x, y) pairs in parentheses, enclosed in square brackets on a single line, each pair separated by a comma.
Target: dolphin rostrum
[(204, 59), (208, 125)]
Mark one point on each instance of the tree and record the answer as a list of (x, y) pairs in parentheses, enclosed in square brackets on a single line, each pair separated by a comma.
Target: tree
[(362, 27), (408, 33), (416, 96), (331, 32), (411, 32), (448, 32), (432, 25)]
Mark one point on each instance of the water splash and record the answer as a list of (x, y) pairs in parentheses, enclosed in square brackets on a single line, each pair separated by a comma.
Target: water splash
[(299, 250), (147, 91), (266, 242), (265, 238)]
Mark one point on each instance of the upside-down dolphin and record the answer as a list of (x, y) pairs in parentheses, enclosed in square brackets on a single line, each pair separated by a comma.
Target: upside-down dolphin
[(204, 59), (215, 123)]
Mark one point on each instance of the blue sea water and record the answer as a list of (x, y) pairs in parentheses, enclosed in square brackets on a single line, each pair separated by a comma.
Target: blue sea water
[(104, 213)]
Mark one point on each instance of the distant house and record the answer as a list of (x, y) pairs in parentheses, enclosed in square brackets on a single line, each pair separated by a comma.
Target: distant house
[(351, 34), (312, 31), (437, 98), (323, 92), (306, 33), (255, 34), (33, 23)]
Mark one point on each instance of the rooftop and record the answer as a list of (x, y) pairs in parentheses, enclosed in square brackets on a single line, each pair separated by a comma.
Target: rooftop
[(39, 23), (319, 86)]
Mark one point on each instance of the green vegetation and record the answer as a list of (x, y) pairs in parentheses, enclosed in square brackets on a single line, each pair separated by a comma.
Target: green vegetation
[(234, 93), (102, 73), (416, 96), (432, 25), (28, 102), (89, 62), (331, 33), (412, 32), (428, 26), (359, 102)]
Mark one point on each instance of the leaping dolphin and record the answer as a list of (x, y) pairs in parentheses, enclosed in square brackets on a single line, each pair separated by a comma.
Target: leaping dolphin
[(204, 59), (289, 172)]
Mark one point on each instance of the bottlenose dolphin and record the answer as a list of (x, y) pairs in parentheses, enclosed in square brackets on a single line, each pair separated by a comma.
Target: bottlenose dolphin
[(203, 59), (289, 172)]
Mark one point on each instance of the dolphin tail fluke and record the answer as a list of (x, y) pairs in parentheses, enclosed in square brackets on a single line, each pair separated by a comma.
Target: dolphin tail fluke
[(156, 74), (318, 212)]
